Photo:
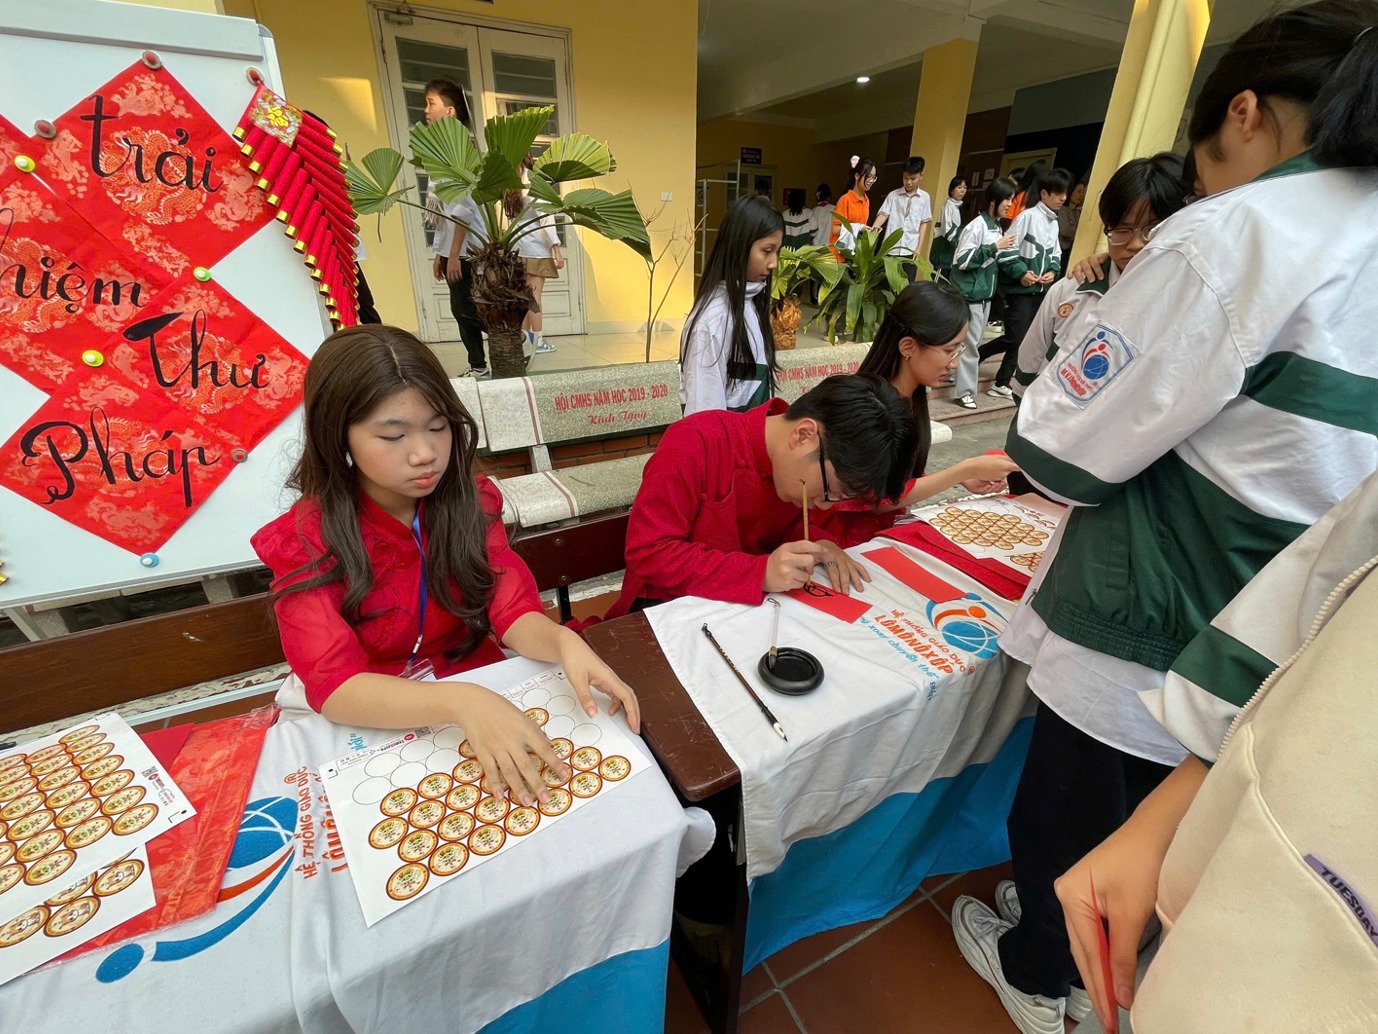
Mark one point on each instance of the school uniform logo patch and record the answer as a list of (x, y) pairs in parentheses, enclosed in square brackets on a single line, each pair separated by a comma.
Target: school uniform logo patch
[(1088, 369)]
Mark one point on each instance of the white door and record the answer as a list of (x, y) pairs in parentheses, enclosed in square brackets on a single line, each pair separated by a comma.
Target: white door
[(499, 72)]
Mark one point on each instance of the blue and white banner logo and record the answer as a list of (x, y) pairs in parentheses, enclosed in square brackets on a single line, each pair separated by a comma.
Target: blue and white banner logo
[(1086, 371)]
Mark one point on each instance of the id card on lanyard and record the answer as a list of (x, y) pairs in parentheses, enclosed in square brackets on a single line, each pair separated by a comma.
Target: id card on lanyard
[(423, 669)]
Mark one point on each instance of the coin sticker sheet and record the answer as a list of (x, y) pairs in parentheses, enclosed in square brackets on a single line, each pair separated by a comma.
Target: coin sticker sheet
[(418, 810), (74, 914), (75, 801), (997, 529)]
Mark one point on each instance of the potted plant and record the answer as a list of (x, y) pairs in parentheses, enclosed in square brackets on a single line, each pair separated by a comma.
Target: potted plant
[(447, 152), (794, 269), (852, 305)]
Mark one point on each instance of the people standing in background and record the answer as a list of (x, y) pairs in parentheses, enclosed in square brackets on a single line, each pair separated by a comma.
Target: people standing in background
[(823, 215), (948, 227), (727, 350), (910, 210), (1026, 194), (974, 273), (452, 242), (763, 187), (800, 225), (1026, 272), (542, 256), (854, 206), (1069, 218)]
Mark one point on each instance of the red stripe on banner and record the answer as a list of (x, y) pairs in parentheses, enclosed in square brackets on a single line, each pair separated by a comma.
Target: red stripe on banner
[(893, 562)]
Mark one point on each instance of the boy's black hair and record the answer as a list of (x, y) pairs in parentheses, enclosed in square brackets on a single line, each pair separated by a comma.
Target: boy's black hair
[(762, 186), (868, 432), (747, 221), (1058, 181), (1157, 180), (452, 95), (1324, 56), (932, 312), (914, 166)]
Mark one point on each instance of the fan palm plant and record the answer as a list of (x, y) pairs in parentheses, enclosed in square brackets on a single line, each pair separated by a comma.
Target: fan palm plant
[(447, 152)]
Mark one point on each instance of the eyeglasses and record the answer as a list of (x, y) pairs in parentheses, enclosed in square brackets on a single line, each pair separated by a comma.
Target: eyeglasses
[(823, 470), (1122, 235)]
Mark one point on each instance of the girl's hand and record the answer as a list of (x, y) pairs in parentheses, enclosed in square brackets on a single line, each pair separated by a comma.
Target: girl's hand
[(1089, 270), (1005, 243), (559, 257), (844, 573), (1029, 279), (984, 474), (586, 670), (438, 268), (506, 743)]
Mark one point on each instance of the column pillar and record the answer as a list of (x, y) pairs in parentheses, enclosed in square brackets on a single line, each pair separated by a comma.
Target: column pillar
[(1150, 94), (940, 115)]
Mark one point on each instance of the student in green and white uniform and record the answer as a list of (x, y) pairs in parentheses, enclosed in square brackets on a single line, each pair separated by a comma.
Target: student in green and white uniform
[(727, 351), (974, 273), (1223, 400), (948, 228), (1140, 195)]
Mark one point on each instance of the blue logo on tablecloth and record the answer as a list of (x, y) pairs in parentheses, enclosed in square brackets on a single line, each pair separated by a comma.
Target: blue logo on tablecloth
[(969, 624), (264, 843)]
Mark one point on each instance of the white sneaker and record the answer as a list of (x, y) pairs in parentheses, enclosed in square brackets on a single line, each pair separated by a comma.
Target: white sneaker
[(543, 347), (1007, 904), (978, 931), (966, 400), (1078, 1004), (1001, 391), (480, 375)]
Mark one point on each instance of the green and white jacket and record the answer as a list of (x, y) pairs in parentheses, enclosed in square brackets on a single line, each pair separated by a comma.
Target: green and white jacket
[(974, 264), (945, 234), (1060, 318), (1037, 250), (1223, 399)]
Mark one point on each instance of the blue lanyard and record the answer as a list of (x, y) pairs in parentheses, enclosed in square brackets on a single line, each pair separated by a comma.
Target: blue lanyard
[(421, 591)]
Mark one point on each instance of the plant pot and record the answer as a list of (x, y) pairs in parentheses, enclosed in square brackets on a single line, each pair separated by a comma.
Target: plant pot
[(784, 323)]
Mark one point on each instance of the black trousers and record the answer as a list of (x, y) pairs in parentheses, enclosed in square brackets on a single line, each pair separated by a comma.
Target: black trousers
[(1075, 791), (368, 312), (466, 315), (1020, 310)]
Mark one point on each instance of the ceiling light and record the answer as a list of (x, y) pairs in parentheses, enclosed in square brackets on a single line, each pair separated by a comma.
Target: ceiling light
[(863, 79)]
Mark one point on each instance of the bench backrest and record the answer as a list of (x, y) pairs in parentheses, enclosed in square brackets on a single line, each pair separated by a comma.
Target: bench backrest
[(805, 368)]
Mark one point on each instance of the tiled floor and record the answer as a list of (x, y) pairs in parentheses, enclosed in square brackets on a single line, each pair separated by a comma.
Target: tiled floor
[(899, 973)]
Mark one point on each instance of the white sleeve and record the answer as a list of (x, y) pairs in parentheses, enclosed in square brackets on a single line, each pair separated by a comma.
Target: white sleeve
[(968, 250), (703, 372), (887, 208), (548, 228), (1033, 350), (927, 208), (1159, 362)]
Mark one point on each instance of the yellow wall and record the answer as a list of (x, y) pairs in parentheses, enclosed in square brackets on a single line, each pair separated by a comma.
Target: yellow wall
[(788, 151), (634, 84)]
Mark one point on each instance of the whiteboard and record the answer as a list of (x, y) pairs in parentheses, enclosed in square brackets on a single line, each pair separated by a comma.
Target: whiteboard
[(55, 54)]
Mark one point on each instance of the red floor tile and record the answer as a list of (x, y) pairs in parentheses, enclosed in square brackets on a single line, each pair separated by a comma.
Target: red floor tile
[(682, 1014), (906, 976), (979, 884), (755, 984), (770, 1017), (788, 962)]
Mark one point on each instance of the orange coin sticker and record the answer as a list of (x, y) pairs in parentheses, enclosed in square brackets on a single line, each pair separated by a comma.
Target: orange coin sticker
[(52, 750), (486, 840), (399, 802), (491, 809), (416, 845), (76, 814), (34, 848), (467, 749), (114, 782), (469, 771), (558, 802), (437, 784), (55, 780), (50, 764), (449, 859), (135, 819), (49, 868), (89, 832), (10, 760), (563, 747), (102, 766), (586, 784), (89, 740), (6, 852), (65, 795), (15, 787), (615, 768), (427, 814), (123, 800), (463, 797), (73, 892), (539, 715), (456, 826), (119, 876), (94, 753), (31, 825), (586, 759), (23, 926), (21, 806), (10, 874), (407, 882), (72, 735), (72, 916), (551, 777), (522, 821), (388, 833)]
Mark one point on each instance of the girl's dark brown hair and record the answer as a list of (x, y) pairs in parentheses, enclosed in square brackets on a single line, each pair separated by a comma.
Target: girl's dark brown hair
[(351, 374)]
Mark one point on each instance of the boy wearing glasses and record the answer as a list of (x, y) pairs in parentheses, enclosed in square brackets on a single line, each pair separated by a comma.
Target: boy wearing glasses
[(720, 509), (1140, 195)]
